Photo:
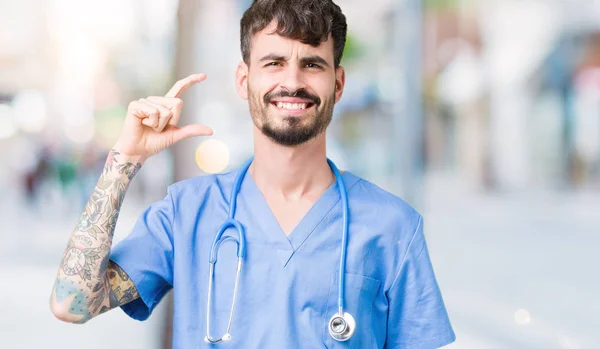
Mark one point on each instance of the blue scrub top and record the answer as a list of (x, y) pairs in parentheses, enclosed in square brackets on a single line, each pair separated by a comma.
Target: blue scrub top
[(288, 285)]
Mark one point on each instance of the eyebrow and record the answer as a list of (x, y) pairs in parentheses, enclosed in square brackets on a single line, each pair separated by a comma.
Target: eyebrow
[(304, 60), (314, 59), (273, 57)]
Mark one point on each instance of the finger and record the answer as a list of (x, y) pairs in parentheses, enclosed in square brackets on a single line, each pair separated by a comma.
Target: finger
[(148, 122), (174, 104), (146, 112), (153, 114), (165, 101), (164, 116), (183, 84), (180, 133)]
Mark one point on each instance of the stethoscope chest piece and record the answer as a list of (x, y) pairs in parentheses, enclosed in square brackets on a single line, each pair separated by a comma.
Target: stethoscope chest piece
[(341, 327)]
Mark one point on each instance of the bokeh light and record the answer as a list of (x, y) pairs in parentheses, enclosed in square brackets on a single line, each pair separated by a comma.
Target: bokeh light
[(522, 317), (7, 125), (80, 134), (212, 156), (30, 111)]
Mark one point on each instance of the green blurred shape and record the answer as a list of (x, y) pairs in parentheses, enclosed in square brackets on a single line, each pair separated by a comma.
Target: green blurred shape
[(433, 5), (108, 123), (353, 49)]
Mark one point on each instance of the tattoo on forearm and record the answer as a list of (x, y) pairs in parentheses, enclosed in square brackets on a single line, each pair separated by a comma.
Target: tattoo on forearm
[(128, 168), (86, 274), (80, 260), (64, 289), (122, 289)]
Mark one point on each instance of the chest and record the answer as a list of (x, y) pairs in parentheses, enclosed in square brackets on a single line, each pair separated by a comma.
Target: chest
[(279, 305), (288, 214), (288, 286)]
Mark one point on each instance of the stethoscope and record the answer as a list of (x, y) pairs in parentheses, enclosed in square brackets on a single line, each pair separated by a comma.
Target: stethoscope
[(341, 324)]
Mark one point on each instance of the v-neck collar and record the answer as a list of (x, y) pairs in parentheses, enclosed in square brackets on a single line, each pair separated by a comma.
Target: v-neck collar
[(260, 211)]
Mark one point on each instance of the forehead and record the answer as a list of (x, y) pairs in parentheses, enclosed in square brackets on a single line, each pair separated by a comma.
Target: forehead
[(267, 41)]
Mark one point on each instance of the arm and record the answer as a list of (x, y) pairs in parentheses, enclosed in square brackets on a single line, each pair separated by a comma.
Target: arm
[(87, 283), (417, 316)]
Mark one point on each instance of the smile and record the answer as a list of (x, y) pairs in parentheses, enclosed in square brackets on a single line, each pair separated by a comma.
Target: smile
[(292, 106)]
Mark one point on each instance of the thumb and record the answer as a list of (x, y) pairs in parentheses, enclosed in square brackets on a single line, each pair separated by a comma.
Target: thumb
[(181, 133)]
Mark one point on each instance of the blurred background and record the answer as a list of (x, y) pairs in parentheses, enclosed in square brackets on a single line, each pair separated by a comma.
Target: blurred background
[(482, 114)]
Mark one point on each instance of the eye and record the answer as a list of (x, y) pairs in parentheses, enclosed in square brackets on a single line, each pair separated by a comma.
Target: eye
[(313, 66), (273, 64)]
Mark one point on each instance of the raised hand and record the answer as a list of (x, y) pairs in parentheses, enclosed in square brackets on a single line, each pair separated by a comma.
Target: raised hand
[(151, 123)]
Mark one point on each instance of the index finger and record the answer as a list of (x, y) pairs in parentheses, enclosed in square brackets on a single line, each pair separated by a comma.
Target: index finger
[(183, 84)]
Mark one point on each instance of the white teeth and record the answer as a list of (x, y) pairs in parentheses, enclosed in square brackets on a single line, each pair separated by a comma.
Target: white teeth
[(291, 106)]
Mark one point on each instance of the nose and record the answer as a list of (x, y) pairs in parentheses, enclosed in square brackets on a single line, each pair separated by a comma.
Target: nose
[(292, 78)]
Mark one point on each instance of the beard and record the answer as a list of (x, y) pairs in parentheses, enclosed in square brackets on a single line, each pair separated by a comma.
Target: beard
[(290, 130)]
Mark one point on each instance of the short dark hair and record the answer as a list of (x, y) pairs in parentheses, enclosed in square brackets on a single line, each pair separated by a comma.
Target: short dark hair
[(309, 21)]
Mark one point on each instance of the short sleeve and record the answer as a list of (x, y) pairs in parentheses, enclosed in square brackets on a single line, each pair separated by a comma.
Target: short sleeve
[(146, 255), (417, 317)]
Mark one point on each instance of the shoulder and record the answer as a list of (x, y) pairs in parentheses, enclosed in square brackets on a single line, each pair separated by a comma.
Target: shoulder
[(188, 197), (385, 225), (193, 194), (383, 205), (200, 185)]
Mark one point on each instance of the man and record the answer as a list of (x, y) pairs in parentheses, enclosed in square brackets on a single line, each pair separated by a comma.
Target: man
[(290, 204)]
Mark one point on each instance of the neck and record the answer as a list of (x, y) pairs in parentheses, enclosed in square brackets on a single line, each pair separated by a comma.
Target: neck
[(292, 173)]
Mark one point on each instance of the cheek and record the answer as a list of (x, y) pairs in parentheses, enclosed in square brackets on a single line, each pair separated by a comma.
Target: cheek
[(262, 81), (324, 87)]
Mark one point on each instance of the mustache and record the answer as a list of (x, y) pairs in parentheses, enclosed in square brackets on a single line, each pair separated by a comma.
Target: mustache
[(301, 93)]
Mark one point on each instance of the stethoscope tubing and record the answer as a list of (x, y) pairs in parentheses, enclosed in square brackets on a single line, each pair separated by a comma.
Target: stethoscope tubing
[(231, 222)]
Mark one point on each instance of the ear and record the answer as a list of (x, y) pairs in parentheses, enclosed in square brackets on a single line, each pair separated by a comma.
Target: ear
[(241, 80), (340, 80)]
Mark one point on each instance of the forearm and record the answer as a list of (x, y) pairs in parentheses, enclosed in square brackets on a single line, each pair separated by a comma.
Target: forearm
[(82, 289)]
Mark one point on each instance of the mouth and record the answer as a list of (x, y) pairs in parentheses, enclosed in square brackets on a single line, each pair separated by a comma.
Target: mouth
[(292, 107)]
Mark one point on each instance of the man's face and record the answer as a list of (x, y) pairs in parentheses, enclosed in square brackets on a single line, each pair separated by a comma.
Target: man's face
[(291, 87)]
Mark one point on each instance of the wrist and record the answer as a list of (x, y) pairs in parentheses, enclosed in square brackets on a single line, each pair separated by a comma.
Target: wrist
[(124, 156), (121, 164)]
